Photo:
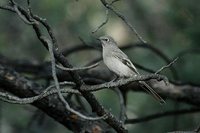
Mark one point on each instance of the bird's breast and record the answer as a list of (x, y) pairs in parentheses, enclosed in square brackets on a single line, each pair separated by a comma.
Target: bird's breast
[(116, 66)]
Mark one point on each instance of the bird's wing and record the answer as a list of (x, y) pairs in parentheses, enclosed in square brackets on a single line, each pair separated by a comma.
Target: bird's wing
[(128, 63), (125, 60)]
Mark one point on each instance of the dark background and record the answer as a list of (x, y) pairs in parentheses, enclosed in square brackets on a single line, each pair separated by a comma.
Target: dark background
[(171, 26)]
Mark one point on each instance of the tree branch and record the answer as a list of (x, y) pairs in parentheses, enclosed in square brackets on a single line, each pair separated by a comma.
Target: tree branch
[(163, 114), (23, 88), (96, 106)]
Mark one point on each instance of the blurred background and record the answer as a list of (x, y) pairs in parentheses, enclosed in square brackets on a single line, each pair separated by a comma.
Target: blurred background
[(171, 26)]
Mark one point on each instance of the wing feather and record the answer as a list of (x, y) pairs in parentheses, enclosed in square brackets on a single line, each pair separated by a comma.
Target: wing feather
[(125, 60)]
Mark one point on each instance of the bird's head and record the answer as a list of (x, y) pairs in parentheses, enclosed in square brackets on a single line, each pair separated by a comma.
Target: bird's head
[(107, 41)]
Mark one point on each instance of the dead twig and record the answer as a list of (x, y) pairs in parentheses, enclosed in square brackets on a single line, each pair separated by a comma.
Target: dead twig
[(109, 7), (103, 23), (166, 66), (79, 68)]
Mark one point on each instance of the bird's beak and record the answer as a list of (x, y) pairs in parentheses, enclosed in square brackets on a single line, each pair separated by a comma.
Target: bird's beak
[(100, 41)]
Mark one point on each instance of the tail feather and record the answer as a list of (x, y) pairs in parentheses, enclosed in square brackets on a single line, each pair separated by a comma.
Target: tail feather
[(152, 92)]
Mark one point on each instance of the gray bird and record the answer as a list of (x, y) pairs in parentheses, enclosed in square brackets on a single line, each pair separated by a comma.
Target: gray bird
[(119, 63)]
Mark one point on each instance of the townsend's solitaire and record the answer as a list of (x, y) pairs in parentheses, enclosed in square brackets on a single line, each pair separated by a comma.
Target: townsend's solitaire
[(119, 63)]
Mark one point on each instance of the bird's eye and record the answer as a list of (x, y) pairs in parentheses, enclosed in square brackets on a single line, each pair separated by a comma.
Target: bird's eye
[(106, 39)]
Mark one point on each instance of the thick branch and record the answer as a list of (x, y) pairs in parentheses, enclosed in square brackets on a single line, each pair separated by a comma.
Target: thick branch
[(22, 87)]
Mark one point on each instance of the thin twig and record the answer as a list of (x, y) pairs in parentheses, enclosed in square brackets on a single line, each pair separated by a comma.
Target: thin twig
[(53, 86), (167, 66), (103, 23), (157, 52), (163, 114), (108, 6), (79, 68), (112, 2), (45, 93), (28, 100), (106, 19)]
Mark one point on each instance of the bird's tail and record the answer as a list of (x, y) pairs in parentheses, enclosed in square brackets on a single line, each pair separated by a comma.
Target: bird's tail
[(152, 92)]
